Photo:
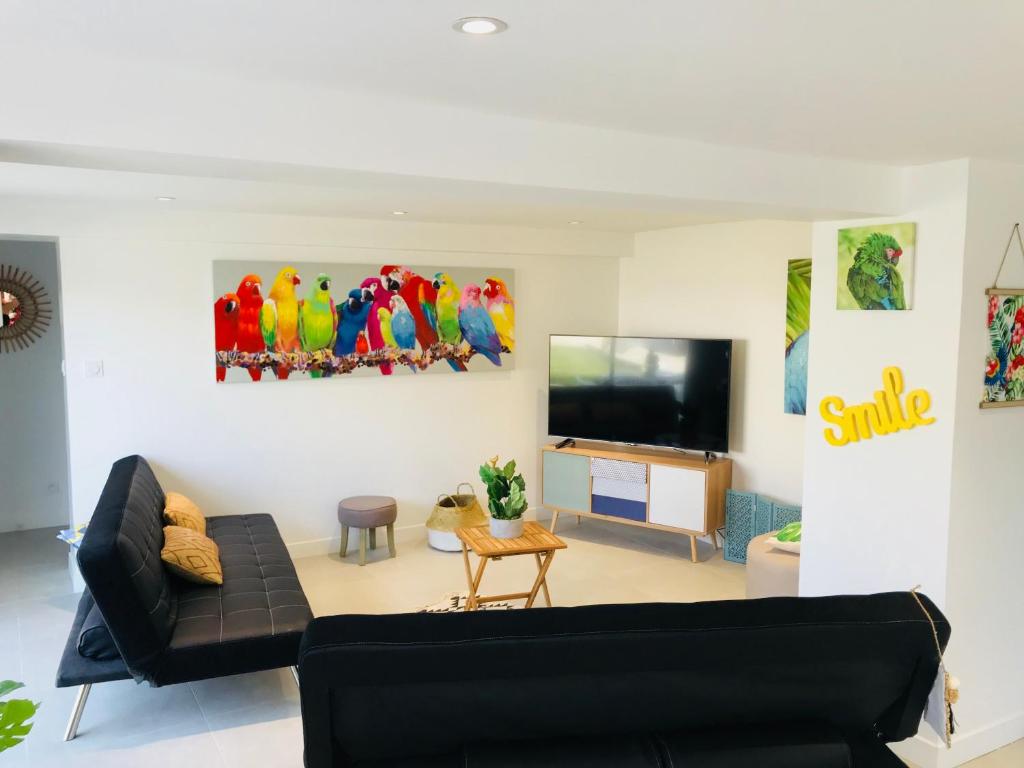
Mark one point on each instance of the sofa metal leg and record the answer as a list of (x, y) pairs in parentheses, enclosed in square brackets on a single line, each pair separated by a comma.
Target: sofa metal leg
[(344, 541), (76, 713), (295, 674)]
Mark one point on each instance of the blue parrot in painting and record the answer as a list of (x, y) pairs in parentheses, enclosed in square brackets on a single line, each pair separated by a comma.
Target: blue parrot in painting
[(352, 316), (477, 326), (403, 326)]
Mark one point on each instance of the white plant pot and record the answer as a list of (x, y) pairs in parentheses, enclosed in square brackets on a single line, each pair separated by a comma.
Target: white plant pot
[(506, 529)]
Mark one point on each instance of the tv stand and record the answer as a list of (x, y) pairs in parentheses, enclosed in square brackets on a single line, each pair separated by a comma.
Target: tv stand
[(682, 494)]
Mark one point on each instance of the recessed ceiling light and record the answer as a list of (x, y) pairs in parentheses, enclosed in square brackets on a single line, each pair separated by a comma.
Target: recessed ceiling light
[(480, 25), (165, 199), (399, 213), (574, 222)]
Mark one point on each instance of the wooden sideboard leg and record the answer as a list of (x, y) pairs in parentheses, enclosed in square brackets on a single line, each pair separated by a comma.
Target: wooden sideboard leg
[(714, 538), (693, 549)]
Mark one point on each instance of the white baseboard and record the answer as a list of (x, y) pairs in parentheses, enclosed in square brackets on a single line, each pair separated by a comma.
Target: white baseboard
[(926, 751)]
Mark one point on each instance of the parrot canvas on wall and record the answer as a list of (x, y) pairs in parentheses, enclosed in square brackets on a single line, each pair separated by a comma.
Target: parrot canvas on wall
[(798, 334), (876, 266), (1004, 364), (276, 321)]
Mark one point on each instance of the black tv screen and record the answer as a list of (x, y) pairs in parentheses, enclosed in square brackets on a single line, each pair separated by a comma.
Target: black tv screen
[(648, 391)]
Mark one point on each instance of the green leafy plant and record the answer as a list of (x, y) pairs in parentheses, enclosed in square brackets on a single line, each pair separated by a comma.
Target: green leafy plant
[(506, 491), (14, 716)]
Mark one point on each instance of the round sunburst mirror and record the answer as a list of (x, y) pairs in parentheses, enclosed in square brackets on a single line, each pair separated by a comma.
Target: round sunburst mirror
[(25, 310)]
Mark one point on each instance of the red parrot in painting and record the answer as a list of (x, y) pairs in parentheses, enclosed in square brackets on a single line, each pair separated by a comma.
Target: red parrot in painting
[(421, 297), (362, 345), (250, 336), (225, 327)]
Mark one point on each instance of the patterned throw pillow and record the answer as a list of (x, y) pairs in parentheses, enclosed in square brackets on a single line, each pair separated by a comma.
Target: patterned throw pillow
[(191, 555), (180, 510)]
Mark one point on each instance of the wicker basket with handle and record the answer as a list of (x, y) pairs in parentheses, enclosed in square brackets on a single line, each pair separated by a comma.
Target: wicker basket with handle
[(458, 510)]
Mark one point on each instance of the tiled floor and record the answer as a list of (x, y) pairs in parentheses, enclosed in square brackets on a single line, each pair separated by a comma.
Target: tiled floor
[(253, 720)]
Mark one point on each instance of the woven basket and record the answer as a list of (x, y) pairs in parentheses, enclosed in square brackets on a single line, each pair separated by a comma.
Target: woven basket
[(458, 510)]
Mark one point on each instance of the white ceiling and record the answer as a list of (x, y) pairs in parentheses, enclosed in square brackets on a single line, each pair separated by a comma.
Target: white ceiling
[(887, 83), (895, 81)]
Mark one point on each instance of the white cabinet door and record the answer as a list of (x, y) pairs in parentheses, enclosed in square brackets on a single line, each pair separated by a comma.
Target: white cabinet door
[(677, 497)]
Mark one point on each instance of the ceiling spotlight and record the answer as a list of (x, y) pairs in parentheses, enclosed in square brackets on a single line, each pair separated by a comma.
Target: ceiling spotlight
[(479, 25), (399, 213), (574, 222), (165, 199)]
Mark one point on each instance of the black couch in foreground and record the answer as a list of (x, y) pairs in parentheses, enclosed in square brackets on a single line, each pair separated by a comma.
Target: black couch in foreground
[(773, 683), (164, 630)]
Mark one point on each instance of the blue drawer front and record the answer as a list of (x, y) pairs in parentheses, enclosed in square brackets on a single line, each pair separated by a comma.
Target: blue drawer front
[(627, 508)]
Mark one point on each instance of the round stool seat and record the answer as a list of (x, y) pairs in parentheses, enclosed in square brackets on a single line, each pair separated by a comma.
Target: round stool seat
[(770, 571), (367, 511)]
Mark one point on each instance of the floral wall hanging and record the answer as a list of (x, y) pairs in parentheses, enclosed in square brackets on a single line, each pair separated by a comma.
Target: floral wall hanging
[(1004, 365)]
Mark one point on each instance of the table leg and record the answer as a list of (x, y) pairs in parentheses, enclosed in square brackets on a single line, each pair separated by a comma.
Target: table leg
[(541, 576), (714, 538), (469, 574), (693, 548), (554, 519), (476, 584), (547, 595)]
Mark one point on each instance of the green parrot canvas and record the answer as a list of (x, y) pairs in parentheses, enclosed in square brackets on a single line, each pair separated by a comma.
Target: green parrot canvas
[(876, 266)]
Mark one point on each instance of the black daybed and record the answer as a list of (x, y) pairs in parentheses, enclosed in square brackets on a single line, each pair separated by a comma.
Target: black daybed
[(163, 630), (772, 683)]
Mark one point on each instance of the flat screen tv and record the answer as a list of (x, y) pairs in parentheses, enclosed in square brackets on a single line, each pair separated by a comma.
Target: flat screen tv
[(670, 393)]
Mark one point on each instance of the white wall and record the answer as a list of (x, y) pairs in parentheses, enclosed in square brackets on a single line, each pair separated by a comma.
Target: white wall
[(986, 532), (137, 295), (876, 513), (33, 446), (729, 281)]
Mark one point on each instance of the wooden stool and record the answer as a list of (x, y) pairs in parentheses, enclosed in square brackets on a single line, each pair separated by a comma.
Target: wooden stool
[(367, 513)]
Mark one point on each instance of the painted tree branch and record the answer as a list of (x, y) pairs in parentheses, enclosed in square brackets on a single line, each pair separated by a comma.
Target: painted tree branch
[(325, 362)]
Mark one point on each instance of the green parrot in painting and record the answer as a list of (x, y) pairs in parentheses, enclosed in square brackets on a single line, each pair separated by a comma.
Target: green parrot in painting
[(874, 279), (318, 318), (448, 296)]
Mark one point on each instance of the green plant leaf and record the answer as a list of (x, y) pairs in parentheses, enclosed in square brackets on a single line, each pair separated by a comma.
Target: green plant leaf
[(6, 686), (510, 469), (14, 717), (487, 473)]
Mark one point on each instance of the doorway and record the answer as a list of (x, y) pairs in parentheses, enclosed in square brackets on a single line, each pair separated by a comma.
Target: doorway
[(34, 493)]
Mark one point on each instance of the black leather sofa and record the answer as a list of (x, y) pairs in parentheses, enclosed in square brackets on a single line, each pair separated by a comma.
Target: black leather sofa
[(773, 683), (163, 630)]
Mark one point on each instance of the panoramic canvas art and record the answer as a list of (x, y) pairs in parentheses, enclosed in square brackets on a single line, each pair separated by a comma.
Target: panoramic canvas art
[(281, 321), (798, 330), (876, 266)]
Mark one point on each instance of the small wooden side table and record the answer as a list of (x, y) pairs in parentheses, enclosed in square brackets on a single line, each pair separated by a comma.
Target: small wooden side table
[(536, 540)]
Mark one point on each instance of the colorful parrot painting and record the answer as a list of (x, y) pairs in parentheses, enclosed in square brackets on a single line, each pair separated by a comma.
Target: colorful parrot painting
[(476, 325), (279, 317), (250, 337), (448, 298), (874, 279), (381, 300), (352, 316), (410, 288), (403, 327), (318, 318), (384, 318), (502, 309), (225, 327)]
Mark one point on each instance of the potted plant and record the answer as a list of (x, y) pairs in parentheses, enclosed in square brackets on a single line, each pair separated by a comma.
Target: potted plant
[(14, 716), (506, 498)]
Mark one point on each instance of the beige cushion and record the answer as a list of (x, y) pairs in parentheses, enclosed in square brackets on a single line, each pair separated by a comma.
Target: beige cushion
[(770, 571), (191, 555), (367, 511), (181, 511)]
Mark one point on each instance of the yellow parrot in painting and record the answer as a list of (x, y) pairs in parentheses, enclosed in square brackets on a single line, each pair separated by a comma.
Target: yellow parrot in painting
[(279, 316), (502, 310)]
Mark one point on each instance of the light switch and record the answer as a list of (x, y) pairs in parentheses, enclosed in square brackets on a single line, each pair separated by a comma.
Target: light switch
[(94, 369)]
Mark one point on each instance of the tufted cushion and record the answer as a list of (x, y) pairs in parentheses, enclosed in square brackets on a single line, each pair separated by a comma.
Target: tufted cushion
[(180, 510), (191, 555), (367, 511), (120, 561), (254, 621)]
